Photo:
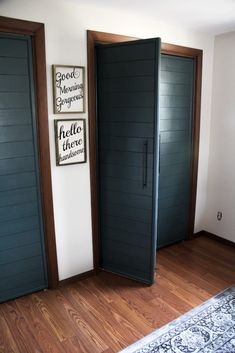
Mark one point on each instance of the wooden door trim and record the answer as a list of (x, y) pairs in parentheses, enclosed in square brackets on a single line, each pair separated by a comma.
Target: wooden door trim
[(36, 31), (94, 38)]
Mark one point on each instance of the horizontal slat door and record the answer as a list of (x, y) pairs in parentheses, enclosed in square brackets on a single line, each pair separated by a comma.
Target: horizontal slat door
[(127, 149), (176, 94), (22, 257)]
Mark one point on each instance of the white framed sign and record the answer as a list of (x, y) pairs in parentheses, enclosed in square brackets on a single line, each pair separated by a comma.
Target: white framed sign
[(70, 140), (68, 84)]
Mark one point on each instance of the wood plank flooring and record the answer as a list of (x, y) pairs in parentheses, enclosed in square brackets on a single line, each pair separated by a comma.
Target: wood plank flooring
[(106, 313)]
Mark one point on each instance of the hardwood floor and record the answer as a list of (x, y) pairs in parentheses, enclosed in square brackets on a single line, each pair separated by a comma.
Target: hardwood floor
[(106, 313)]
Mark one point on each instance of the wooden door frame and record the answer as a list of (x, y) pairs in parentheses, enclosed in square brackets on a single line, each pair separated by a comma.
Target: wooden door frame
[(94, 38), (36, 31)]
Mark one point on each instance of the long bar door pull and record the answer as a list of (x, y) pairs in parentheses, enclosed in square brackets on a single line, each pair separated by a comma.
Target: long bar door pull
[(145, 164)]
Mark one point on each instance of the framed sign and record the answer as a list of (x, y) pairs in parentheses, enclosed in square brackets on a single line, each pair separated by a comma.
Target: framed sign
[(70, 140), (68, 83)]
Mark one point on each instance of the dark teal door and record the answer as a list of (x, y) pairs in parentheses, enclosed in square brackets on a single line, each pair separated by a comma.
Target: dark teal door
[(176, 97), (22, 259), (127, 87)]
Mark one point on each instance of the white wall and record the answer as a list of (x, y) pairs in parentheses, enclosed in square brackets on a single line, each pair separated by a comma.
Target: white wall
[(66, 23), (221, 177)]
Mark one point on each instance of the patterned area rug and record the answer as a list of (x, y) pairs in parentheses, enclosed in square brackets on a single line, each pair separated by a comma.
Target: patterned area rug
[(208, 328)]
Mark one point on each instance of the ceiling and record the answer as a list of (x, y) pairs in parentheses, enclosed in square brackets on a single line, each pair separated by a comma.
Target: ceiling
[(210, 16)]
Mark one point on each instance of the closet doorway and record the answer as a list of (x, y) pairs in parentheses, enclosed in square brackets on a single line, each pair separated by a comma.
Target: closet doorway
[(95, 38), (175, 147)]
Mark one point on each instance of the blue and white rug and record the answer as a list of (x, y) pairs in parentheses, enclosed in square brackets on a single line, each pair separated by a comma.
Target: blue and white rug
[(208, 328)]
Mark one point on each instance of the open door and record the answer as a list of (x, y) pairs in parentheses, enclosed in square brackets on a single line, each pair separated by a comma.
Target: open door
[(127, 107)]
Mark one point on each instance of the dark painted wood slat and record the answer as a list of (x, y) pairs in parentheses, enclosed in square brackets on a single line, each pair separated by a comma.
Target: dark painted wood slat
[(16, 165), (173, 179), (124, 199), (173, 147), (127, 114), (127, 225), (15, 133), (20, 291), (125, 255), (130, 144), (20, 239), (174, 136), (19, 226), (133, 213), (172, 201), (127, 99), (127, 69), (125, 129), (170, 227), (133, 84), (175, 169), (124, 172), (17, 254), (179, 236), (174, 113), (24, 279), (129, 186), (14, 116), (16, 149), (16, 181), (127, 158), (128, 254), (175, 77), (172, 158), (132, 51), (176, 213), (11, 100), (19, 196), (170, 89), (13, 66), (176, 196), (10, 47), (24, 265), (172, 63), (9, 83), (175, 189), (125, 237), (174, 125), (174, 102), (178, 230), (124, 269), (18, 211), (174, 225)]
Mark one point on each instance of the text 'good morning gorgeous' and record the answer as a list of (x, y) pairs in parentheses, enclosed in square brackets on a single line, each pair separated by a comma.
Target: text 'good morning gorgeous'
[(69, 90)]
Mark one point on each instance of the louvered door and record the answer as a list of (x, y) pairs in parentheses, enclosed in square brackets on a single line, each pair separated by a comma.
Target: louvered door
[(22, 255)]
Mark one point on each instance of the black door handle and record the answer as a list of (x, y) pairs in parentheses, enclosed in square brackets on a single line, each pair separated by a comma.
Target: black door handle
[(145, 164)]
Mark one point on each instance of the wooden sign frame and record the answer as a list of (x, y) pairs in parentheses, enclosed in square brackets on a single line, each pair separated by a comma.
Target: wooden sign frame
[(70, 141), (68, 89)]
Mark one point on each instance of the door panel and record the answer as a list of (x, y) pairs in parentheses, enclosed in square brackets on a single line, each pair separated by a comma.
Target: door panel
[(176, 96), (22, 255), (127, 86)]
